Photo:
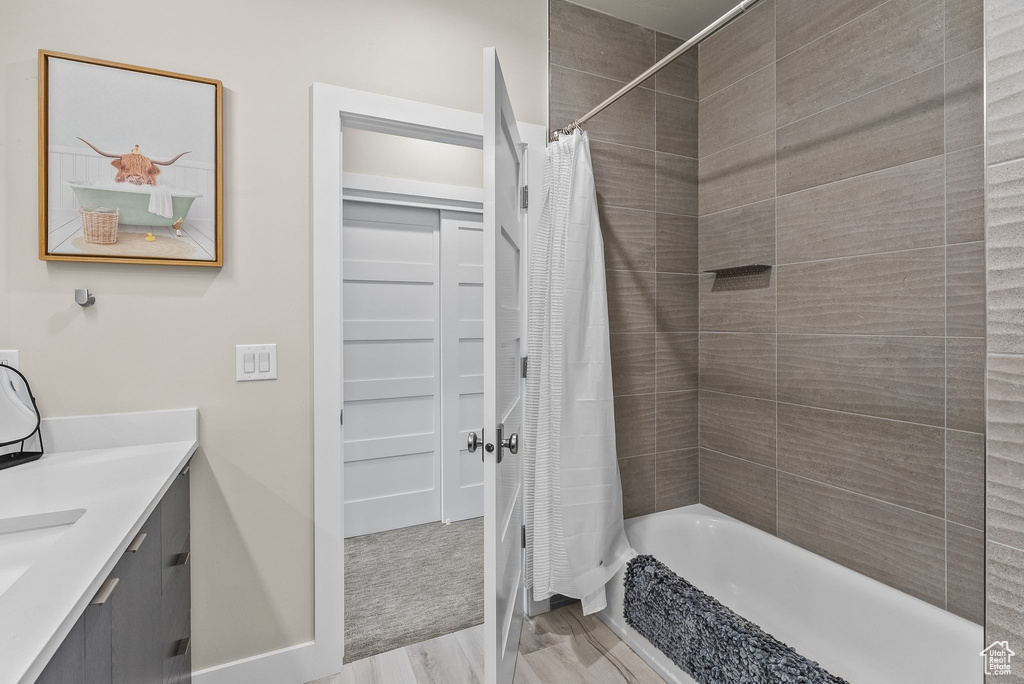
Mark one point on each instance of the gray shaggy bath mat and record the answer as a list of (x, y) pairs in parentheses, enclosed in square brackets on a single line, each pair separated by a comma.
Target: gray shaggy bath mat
[(710, 642)]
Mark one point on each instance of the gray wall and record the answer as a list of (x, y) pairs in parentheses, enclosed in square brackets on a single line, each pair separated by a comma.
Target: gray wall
[(644, 150), (1005, 81), (841, 394)]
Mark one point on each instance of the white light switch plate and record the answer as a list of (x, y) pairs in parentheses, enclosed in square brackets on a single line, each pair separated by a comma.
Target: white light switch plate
[(9, 357), (241, 352)]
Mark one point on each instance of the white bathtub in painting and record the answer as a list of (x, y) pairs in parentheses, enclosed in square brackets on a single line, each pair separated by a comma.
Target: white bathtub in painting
[(857, 628)]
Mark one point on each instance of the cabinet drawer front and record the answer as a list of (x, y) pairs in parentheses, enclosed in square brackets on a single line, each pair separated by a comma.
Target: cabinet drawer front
[(174, 521)]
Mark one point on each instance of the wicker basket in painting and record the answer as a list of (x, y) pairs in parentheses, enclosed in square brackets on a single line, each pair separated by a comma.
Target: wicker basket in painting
[(100, 226)]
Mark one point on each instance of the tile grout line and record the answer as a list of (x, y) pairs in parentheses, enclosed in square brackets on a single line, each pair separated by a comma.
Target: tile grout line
[(945, 314), (775, 199)]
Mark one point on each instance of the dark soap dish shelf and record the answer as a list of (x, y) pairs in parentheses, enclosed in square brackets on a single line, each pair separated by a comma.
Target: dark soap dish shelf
[(749, 269)]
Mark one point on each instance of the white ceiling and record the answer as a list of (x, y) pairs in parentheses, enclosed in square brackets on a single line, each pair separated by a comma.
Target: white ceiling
[(680, 18)]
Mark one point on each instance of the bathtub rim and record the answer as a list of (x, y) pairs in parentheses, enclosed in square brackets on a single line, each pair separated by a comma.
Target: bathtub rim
[(142, 189)]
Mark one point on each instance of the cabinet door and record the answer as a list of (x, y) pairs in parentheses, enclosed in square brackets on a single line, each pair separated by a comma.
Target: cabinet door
[(67, 664), (135, 625), (98, 643)]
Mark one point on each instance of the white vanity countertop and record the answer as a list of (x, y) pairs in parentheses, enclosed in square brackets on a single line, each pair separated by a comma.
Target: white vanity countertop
[(112, 470)]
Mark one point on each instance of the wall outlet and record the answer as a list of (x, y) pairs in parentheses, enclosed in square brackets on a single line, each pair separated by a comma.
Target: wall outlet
[(9, 357), (255, 362)]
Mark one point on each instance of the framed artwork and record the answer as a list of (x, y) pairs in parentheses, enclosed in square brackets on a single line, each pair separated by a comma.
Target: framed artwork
[(130, 164)]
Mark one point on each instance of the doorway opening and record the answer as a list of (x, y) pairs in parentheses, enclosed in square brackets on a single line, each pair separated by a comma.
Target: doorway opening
[(412, 294)]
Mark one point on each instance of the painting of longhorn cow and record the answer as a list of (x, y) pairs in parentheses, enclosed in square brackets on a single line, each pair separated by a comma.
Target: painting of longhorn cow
[(130, 164)]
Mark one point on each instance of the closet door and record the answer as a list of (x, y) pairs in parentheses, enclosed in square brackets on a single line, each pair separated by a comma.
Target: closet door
[(392, 367), (462, 363)]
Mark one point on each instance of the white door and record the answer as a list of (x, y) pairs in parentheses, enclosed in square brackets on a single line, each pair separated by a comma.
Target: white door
[(462, 363), (392, 367), (503, 409)]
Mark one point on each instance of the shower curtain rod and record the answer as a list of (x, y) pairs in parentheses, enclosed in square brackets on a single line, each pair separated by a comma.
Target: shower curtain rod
[(658, 66)]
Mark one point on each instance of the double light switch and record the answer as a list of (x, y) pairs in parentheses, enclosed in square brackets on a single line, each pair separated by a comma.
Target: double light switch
[(255, 362)]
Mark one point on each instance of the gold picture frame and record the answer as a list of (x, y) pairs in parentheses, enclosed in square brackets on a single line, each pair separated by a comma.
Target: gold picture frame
[(169, 244)]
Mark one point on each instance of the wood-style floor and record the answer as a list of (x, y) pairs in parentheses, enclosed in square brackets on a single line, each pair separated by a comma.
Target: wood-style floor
[(560, 647)]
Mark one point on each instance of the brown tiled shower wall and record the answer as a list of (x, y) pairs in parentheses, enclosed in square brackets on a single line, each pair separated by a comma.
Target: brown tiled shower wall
[(838, 399), (644, 150), (1005, 79)]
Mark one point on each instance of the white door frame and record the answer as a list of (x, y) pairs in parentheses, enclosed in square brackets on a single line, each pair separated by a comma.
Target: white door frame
[(332, 107)]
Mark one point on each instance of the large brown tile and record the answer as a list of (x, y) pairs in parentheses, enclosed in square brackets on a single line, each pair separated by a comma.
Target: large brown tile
[(1005, 80), (590, 41), (965, 384), (899, 293), (895, 462), (897, 208), (1005, 465), (624, 176), (898, 39), (678, 479), (677, 125), (738, 113), (638, 478), (965, 478), (631, 301), (965, 569), (965, 101), (629, 122), (630, 238), (798, 22), (680, 76), (676, 250), (676, 184), (676, 367), (897, 124), (1005, 242), (965, 26), (889, 377), (634, 425), (742, 174), (902, 548), (965, 195), (632, 363), (677, 420), (738, 426), (677, 303), (965, 290), (744, 490), (738, 50), (738, 363), (1004, 600), (738, 237), (738, 303)]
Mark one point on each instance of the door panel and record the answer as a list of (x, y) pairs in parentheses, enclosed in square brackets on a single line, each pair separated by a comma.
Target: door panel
[(503, 303), (392, 367), (462, 363)]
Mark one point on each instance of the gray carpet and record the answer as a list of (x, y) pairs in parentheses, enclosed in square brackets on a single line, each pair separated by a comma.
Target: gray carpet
[(412, 584)]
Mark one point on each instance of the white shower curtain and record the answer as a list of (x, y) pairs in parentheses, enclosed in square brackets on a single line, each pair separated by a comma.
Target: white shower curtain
[(575, 537)]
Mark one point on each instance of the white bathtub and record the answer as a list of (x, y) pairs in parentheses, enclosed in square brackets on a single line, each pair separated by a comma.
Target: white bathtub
[(857, 628)]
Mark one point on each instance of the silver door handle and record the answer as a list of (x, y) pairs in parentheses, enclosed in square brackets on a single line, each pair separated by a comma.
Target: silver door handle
[(512, 443), (472, 442)]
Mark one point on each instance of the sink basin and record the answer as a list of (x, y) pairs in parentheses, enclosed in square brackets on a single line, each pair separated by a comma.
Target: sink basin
[(24, 539)]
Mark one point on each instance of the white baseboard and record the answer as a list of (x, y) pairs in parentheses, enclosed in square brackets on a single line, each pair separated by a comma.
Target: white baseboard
[(292, 665)]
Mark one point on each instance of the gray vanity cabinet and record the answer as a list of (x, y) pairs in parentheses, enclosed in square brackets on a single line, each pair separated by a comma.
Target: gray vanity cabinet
[(140, 631)]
